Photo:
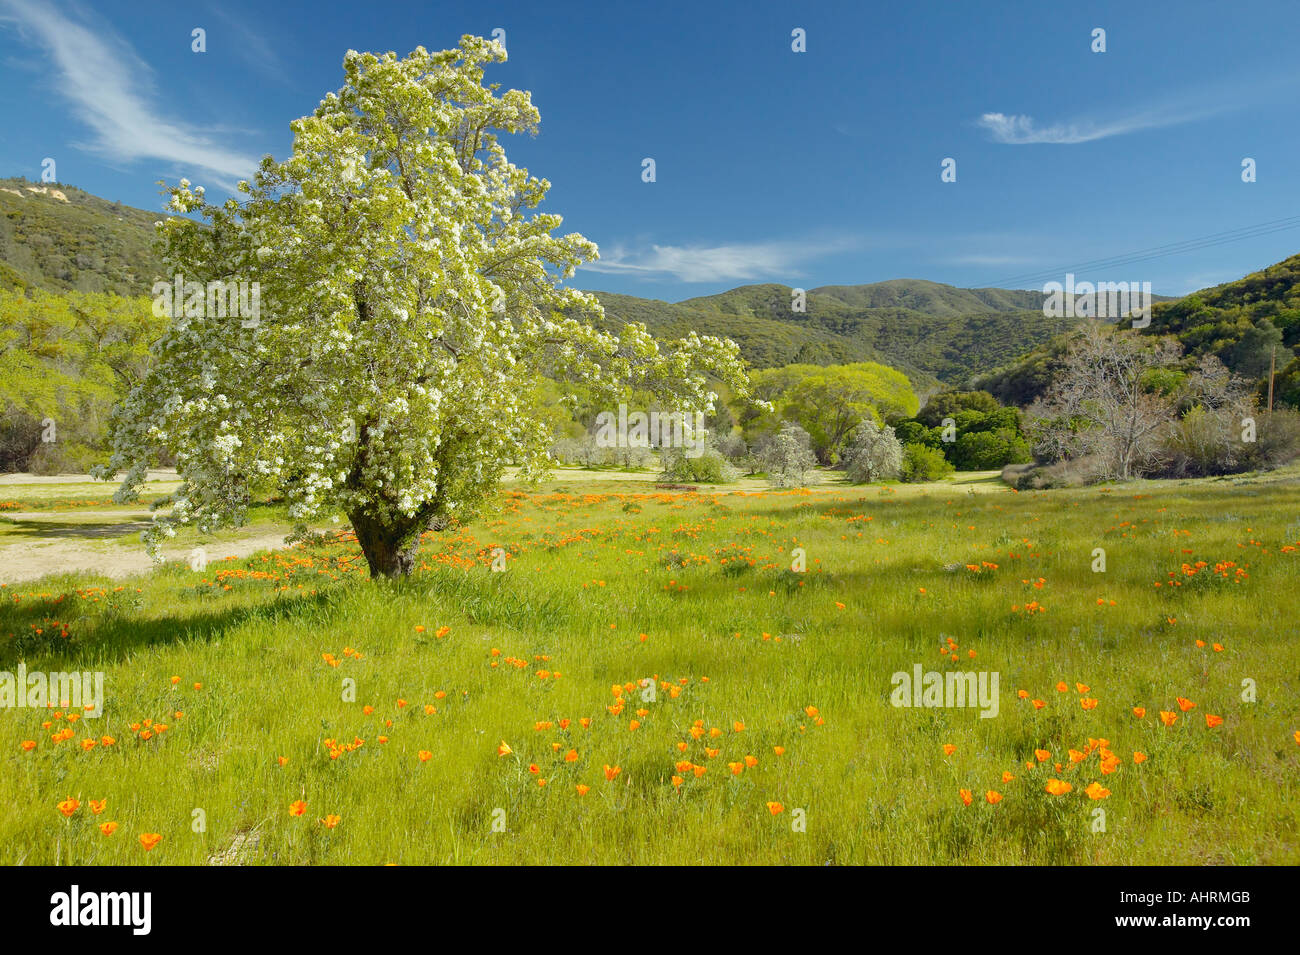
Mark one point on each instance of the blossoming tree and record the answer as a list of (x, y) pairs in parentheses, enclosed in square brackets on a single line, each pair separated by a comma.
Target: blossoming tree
[(410, 304)]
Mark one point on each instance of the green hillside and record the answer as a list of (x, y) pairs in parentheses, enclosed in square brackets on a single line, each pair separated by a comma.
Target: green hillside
[(1248, 324), (61, 238)]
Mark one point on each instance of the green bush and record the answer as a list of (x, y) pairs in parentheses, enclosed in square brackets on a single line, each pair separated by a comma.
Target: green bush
[(709, 468), (924, 464)]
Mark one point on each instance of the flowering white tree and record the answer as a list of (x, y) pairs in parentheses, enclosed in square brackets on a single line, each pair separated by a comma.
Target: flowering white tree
[(409, 307)]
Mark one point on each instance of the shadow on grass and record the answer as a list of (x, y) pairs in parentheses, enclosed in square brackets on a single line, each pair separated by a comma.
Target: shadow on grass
[(119, 631), (84, 530)]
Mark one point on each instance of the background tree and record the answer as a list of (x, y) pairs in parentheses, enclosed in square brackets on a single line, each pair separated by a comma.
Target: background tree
[(1103, 405), (829, 402), (787, 456), (874, 454), (409, 301)]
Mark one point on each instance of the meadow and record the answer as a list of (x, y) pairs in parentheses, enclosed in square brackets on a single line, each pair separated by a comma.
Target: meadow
[(653, 680)]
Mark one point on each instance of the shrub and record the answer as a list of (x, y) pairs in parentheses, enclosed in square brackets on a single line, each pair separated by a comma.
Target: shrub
[(873, 454), (985, 450), (787, 457), (1277, 440), (924, 464), (710, 467)]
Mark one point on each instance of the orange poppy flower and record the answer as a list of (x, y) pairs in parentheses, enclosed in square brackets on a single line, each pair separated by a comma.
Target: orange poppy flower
[(69, 806), (1097, 791), (297, 807), (1058, 787), (1169, 719), (108, 828), (1043, 755), (966, 797), (775, 808), (993, 798), (330, 821), (949, 749), (97, 805), (612, 771), (1139, 757), (1185, 704), (1140, 712), (1007, 777), (1211, 721), (149, 840), (582, 789), (424, 755)]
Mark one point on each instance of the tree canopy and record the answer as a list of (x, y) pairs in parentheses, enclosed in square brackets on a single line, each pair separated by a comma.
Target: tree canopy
[(410, 300)]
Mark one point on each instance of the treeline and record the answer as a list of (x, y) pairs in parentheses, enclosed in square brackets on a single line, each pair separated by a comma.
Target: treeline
[(863, 418), (1250, 325), (1122, 405), (65, 361)]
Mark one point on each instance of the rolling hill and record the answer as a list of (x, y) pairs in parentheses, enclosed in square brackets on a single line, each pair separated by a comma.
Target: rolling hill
[(61, 238)]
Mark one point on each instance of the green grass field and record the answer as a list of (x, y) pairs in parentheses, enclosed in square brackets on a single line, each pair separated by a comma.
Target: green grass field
[(769, 736)]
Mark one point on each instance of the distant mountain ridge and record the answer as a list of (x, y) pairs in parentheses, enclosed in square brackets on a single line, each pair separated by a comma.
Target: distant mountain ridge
[(933, 332)]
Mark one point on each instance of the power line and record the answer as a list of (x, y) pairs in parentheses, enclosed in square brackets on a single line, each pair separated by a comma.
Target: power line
[(1160, 251)]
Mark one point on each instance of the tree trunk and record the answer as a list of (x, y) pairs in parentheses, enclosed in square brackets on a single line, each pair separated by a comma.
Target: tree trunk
[(389, 549)]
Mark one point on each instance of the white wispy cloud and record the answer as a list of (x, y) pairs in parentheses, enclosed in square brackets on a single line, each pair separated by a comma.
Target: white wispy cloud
[(1020, 130), (743, 261), (110, 89)]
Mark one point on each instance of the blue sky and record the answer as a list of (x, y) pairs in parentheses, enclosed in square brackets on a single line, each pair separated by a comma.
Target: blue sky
[(808, 169)]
